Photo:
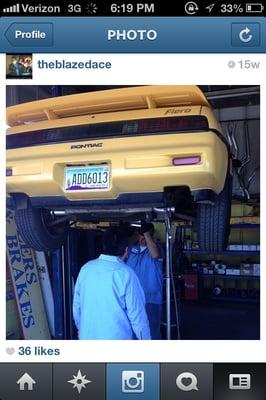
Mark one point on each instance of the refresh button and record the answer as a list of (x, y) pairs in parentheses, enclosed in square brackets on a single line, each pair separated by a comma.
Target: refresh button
[(245, 34)]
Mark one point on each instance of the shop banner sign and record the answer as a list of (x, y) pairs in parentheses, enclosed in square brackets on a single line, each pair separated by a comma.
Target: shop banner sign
[(25, 279)]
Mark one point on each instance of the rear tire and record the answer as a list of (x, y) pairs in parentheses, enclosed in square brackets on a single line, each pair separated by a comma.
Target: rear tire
[(213, 221), (32, 226)]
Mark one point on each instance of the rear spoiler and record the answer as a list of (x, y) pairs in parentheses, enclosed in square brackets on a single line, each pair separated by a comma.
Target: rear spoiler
[(132, 98)]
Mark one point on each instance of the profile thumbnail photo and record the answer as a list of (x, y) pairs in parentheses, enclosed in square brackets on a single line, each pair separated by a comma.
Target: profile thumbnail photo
[(19, 66)]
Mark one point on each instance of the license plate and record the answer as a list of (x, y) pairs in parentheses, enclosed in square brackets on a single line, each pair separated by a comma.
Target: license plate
[(87, 178)]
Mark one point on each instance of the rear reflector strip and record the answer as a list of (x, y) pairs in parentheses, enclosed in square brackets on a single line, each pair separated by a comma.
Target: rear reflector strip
[(149, 126), (186, 160)]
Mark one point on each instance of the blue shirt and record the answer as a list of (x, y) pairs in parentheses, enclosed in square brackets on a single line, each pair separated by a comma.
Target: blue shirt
[(109, 302), (148, 270)]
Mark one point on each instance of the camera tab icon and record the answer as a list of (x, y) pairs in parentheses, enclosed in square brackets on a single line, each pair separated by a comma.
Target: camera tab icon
[(132, 381)]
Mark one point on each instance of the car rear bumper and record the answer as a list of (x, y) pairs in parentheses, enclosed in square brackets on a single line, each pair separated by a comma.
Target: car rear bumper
[(138, 165), (136, 202)]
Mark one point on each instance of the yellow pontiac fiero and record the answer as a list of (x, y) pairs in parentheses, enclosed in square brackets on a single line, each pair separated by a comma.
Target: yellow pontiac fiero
[(118, 154)]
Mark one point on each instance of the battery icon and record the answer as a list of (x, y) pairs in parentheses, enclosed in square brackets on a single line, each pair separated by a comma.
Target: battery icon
[(254, 7)]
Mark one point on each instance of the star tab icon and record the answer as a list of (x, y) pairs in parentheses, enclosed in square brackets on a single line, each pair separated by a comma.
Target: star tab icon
[(79, 382)]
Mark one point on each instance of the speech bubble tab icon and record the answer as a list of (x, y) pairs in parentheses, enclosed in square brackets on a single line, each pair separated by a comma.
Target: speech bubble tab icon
[(187, 382)]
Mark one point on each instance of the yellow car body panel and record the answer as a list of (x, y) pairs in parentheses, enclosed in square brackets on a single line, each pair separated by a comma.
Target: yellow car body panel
[(105, 101), (143, 166), (138, 164)]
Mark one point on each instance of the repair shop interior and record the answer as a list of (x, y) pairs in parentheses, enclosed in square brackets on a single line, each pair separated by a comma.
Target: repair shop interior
[(133, 212)]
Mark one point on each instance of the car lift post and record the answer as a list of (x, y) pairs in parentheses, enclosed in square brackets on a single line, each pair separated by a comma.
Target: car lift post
[(168, 241)]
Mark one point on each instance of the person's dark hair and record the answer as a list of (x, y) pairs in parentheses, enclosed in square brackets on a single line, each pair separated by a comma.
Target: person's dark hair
[(115, 242), (146, 227)]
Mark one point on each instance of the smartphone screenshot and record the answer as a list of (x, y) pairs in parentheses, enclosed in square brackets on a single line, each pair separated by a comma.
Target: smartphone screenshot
[(132, 137)]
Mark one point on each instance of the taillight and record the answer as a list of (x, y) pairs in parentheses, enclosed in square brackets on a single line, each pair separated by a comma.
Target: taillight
[(155, 125), (68, 134)]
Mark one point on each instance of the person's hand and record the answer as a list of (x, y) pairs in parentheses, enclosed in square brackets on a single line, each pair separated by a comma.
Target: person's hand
[(145, 227)]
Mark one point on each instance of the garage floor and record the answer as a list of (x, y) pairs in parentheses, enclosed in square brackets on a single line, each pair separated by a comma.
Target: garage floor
[(215, 320)]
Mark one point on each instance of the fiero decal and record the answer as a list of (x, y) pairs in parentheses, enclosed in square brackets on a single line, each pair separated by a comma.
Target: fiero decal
[(175, 111)]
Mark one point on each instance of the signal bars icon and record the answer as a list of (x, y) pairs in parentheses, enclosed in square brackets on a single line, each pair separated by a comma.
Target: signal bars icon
[(12, 9)]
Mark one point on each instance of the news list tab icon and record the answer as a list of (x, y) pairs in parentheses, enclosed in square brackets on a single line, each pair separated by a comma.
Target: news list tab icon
[(239, 381), (12, 10)]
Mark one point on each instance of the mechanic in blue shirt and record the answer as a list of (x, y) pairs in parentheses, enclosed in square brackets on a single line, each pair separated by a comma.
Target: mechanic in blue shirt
[(145, 257), (109, 302)]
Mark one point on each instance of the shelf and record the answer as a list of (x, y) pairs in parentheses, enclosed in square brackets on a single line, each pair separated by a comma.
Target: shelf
[(221, 276), (226, 253), (245, 226), (232, 299)]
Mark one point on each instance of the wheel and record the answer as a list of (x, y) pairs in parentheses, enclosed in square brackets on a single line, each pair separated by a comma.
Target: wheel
[(32, 224), (213, 221)]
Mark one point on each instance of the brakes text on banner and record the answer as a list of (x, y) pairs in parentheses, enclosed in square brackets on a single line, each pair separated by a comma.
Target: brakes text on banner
[(24, 274)]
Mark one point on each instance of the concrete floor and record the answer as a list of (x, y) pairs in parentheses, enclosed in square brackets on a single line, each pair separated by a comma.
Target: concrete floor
[(218, 321)]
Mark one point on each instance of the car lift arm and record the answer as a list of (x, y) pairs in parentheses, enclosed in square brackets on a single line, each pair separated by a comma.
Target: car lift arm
[(169, 243)]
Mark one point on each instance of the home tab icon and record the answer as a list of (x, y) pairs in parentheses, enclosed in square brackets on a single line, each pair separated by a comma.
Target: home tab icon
[(26, 382)]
